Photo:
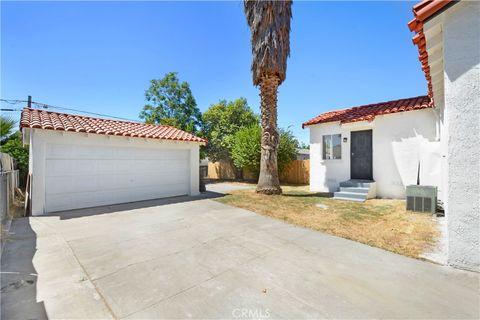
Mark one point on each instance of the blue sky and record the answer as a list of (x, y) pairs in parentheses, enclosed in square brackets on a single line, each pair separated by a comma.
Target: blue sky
[(100, 56)]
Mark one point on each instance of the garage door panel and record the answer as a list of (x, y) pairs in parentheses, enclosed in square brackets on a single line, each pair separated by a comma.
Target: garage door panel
[(105, 166), (155, 165), (84, 167), (87, 176), (59, 167), (55, 185), (71, 184), (85, 183), (57, 202), (154, 181), (108, 182), (160, 181), (90, 199), (145, 193)]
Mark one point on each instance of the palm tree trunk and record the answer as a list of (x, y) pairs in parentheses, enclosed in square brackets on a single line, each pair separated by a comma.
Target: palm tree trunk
[(268, 182)]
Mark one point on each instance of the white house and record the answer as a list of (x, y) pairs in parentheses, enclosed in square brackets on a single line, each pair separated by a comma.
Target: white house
[(434, 139), (388, 145), (78, 162), (448, 39)]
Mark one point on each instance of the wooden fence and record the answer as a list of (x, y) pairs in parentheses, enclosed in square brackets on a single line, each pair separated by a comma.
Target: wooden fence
[(222, 170), (297, 172)]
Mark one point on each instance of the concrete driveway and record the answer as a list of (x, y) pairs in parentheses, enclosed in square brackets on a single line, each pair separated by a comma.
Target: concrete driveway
[(196, 258)]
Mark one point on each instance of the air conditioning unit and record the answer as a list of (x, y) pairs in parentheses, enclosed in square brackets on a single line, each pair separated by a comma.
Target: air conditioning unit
[(422, 198)]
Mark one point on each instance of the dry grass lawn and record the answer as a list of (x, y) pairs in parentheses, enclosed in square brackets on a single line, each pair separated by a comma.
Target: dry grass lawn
[(378, 222)]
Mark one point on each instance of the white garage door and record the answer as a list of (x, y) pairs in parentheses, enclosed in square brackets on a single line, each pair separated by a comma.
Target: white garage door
[(86, 176)]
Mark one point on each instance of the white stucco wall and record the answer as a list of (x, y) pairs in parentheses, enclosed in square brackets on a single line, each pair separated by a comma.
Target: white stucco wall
[(39, 139), (461, 43), (400, 142)]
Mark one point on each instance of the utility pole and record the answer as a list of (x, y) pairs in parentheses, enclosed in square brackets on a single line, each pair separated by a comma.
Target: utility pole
[(29, 102)]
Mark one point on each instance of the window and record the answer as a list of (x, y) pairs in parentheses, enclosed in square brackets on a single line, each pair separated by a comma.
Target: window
[(332, 147)]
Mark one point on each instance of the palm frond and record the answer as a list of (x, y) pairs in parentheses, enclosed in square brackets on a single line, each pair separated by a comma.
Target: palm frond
[(7, 125)]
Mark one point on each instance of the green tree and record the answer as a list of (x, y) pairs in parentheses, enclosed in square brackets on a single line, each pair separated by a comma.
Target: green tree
[(246, 151), (220, 123), (6, 127), (171, 103)]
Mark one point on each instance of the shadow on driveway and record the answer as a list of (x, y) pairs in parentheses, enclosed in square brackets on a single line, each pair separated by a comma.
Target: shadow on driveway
[(18, 274), (85, 212)]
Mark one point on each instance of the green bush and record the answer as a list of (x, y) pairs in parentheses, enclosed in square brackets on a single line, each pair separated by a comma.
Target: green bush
[(14, 147), (246, 150)]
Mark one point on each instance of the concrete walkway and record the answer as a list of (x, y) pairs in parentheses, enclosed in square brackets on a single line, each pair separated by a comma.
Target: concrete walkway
[(178, 258)]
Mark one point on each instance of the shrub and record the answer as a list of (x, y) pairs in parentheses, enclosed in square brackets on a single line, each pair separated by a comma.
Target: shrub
[(246, 150), (14, 147)]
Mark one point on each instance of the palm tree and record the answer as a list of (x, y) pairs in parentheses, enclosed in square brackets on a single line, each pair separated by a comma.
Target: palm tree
[(269, 23), (6, 127)]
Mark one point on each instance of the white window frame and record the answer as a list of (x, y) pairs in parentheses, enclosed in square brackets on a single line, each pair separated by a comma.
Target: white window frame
[(324, 153)]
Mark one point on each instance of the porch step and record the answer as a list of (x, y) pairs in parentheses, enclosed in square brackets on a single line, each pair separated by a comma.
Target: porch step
[(352, 196), (356, 190)]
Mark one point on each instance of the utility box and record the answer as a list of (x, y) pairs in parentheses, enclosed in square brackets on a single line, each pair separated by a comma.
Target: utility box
[(422, 198)]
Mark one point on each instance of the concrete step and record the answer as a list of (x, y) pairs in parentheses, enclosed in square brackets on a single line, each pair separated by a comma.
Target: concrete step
[(354, 190), (356, 183), (349, 199), (354, 196)]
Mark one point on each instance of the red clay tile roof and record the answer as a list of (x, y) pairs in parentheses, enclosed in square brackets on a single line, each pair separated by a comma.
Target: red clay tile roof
[(48, 120), (422, 12), (370, 111)]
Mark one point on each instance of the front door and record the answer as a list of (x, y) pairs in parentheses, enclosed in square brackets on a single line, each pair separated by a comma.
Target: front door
[(361, 155)]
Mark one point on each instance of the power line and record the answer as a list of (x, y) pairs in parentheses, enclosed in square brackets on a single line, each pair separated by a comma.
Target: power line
[(48, 106), (10, 109), (11, 101)]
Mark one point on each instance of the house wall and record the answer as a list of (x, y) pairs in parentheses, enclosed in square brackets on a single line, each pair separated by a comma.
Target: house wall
[(461, 43), (400, 142), (39, 139)]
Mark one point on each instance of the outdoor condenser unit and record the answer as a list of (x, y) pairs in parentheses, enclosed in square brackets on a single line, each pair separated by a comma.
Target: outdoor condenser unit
[(422, 198)]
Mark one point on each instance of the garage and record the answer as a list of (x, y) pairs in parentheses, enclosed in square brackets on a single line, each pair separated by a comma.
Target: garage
[(81, 162)]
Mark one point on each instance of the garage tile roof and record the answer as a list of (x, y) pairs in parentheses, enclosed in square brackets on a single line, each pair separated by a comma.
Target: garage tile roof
[(48, 120), (422, 12), (370, 111)]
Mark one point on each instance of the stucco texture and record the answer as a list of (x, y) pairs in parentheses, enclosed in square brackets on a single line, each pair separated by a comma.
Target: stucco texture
[(461, 42)]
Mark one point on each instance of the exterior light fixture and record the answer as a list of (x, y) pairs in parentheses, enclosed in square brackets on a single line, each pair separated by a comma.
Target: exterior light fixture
[(345, 139)]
